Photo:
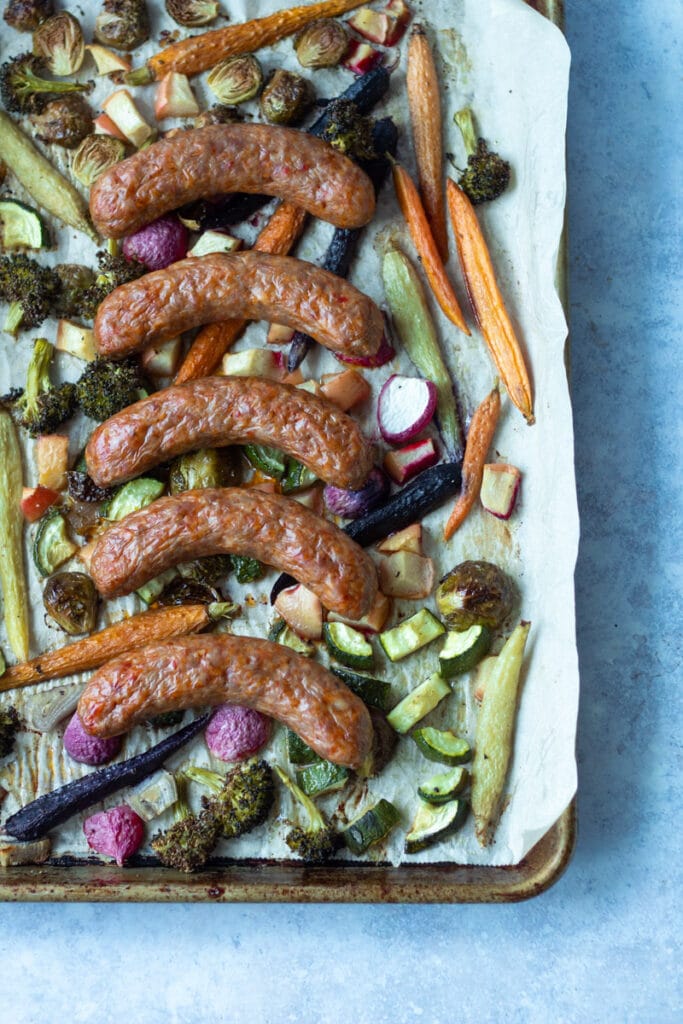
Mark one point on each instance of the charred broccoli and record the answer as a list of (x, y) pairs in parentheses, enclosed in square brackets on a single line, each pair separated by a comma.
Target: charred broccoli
[(30, 289), (9, 726), (113, 272), (74, 281), (22, 88), (315, 841), (246, 570), (243, 797), (487, 175), (42, 406), (104, 388), (349, 131), (188, 843)]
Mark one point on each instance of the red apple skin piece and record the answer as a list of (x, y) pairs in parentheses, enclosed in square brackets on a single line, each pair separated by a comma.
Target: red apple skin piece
[(35, 501), (301, 610), (373, 622), (408, 539), (500, 488), (406, 575), (105, 126), (361, 58), (405, 463)]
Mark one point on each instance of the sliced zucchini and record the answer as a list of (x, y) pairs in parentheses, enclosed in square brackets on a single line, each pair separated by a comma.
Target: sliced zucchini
[(133, 496), (324, 777), (462, 651), (348, 645), (375, 692), (3, 664), (418, 703), (433, 824), (52, 545), (283, 634), (372, 826), (270, 461), (298, 752), (21, 227), (442, 745), (411, 634), (439, 789), (297, 477), (151, 590)]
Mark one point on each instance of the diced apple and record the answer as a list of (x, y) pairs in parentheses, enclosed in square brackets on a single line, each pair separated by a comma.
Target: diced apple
[(52, 460), (76, 339), (162, 359), (280, 334), (375, 620), (346, 389), (301, 610), (105, 126), (37, 500), (311, 498), (215, 241), (84, 554), (499, 489), (121, 108), (107, 61), (405, 574), (311, 386), (174, 97), (295, 377), (253, 362), (399, 17), (408, 539), (361, 58), (372, 25), (405, 463)]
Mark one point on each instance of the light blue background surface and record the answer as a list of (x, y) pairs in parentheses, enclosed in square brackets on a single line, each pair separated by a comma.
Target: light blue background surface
[(604, 944)]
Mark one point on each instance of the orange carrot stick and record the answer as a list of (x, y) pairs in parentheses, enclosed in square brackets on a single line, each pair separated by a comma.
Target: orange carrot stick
[(479, 438), (424, 103), (420, 231), (213, 341), (487, 302)]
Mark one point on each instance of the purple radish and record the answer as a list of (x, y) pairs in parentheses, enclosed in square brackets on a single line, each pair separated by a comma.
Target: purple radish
[(158, 244), (353, 504), (383, 354), (405, 406), (407, 462), (117, 833), (234, 732), (87, 749)]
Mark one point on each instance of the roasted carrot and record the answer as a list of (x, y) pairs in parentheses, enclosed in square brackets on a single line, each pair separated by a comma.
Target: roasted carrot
[(479, 437), (487, 302), (421, 233), (424, 103), (127, 635), (194, 54), (213, 341)]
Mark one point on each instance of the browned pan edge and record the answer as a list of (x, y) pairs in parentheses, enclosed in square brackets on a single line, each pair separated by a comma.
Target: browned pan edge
[(291, 882)]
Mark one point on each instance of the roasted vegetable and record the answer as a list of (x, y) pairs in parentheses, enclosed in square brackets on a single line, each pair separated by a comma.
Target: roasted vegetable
[(203, 468), (371, 827), (236, 79), (207, 571), (42, 406), (235, 733), (192, 13), (189, 842), (114, 270), (74, 281), (59, 44), (9, 726), (243, 798), (64, 121), (117, 832), (479, 439), (30, 290), (12, 574), (246, 570), (418, 703), (349, 131), (180, 591), (25, 15), (123, 24), (52, 545), (317, 839), (104, 387), (95, 155), (87, 749), (218, 114), (285, 98), (322, 44), (411, 634), (70, 598), (433, 824), (21, 227), (487, 175), (22, 88), (475, 592)]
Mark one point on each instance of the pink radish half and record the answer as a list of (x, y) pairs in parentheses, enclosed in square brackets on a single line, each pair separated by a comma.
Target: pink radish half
[(383, 354), (405, 406), (405, 463)]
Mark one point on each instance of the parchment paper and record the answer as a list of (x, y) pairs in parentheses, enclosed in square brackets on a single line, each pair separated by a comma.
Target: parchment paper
[(512, 66)]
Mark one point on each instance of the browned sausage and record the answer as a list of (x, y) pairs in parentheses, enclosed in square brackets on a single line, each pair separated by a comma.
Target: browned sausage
[(245, 286), (216, 411), (224, 158), (194, 671), (276, 530)]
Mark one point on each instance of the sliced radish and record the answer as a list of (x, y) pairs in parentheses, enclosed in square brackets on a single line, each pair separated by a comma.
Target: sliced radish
[(409, 539), (499, 489), (383, 354), (253, 362), (52, 460), (361, 57), (405, 574), (375, 620), (121, 108), (405, 407), (353, 504), (163, 358), (280, 334), (37, 500), (174, 97), (301, 610), (76, 339), (372, 25), (399, 16), (345, 389), (407, 462)]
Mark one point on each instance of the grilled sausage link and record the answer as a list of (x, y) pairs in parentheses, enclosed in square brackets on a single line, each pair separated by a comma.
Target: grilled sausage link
[(211, 161), (216, 411), (230, 520), (245, 286), (195, 671)]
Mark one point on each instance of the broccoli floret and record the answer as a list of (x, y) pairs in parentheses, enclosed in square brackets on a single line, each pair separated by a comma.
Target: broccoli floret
[(104, 388), (22, 88), (316, 840), (30, 289), (487, 175), (42, 407), (208, 570), (114, 270), (349, 131), (74, 282), (188, 843), (9, 726), (243, 797), (246, 570)]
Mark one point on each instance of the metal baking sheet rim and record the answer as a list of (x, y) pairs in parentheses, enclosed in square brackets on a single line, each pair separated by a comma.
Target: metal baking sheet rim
[(292, 882)]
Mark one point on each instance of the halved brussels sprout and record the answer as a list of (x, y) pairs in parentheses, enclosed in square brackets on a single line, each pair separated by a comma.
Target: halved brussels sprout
[(70, 598), (286, 97), (193, 12), (95, 155), (59, 44), (236, 79), (322, 44)]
